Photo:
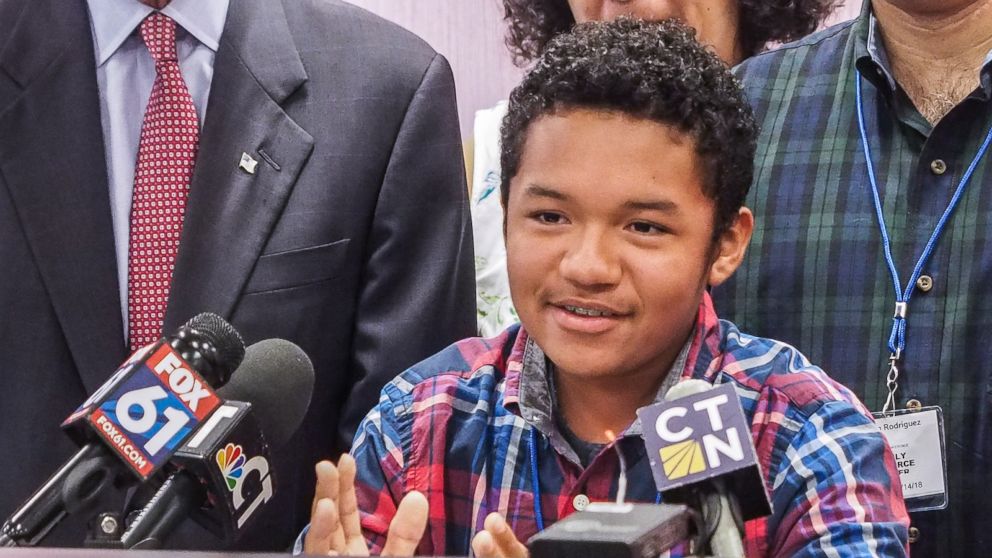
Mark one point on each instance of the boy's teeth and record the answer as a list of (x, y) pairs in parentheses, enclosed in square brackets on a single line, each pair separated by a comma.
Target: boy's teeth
[(587, 312)]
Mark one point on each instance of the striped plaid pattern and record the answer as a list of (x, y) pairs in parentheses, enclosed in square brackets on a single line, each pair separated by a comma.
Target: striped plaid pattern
[(454, 428), (816, 277)]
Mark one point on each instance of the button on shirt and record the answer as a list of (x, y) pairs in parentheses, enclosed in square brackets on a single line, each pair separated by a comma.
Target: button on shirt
[(456, 428), (815, 275), (125, 73)]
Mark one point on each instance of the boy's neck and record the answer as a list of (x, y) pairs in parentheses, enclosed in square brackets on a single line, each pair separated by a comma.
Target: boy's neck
[(592, 406)]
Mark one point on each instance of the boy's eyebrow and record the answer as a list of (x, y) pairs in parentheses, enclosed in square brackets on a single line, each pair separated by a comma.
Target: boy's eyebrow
[(667, 206), (538, 191)]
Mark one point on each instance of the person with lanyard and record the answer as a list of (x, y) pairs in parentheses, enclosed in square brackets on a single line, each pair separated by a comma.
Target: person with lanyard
[(627, 153), (871, 249), (734, 29)]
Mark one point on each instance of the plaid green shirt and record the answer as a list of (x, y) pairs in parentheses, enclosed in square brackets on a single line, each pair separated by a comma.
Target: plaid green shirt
[(816, 277)]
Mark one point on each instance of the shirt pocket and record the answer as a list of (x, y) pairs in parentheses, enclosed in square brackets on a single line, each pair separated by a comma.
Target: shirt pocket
[(297, 267)]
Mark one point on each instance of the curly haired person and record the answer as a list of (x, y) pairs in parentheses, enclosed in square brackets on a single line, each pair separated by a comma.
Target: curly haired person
[(734, 29), (627, 154)]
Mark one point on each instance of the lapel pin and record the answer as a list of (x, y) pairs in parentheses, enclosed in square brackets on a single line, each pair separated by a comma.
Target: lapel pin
[(248, 164)]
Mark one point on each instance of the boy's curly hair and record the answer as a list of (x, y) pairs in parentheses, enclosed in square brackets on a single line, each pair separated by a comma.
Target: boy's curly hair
[(647, 70), (531, 24)]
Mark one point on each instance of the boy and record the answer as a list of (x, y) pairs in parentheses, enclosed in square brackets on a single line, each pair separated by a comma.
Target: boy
[(627, 153)]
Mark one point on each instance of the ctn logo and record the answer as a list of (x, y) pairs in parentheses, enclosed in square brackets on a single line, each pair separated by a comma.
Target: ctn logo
[(231, 460), (687, 452)]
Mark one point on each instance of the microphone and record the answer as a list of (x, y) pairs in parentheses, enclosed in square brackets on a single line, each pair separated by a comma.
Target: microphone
[(615, 529), (701, 453), (224, 475), (139, 416)]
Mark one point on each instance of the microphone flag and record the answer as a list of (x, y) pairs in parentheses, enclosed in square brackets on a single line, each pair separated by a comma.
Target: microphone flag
[(702, 436), (147, 409)]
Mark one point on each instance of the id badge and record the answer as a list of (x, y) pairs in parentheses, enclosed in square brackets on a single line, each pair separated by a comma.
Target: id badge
[(917, 441)]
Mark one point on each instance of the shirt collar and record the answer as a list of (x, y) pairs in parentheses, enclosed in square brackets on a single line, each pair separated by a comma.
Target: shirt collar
[(528, 393), (113, 21), (876, 51), (873, 61)]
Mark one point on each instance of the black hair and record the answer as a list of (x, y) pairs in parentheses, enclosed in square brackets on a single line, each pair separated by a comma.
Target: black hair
[(531, 24), (648, 70)]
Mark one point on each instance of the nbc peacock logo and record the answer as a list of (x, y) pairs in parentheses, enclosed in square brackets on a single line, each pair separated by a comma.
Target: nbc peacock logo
[(231, 460)]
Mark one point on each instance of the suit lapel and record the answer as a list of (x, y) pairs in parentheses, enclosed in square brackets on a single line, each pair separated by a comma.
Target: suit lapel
[(52, 160), (232, 211)]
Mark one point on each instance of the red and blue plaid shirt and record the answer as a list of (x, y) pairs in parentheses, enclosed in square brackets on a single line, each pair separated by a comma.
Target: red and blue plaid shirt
[(456, 426)]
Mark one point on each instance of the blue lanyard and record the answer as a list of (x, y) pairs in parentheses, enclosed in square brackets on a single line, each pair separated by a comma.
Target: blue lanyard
[(536, 483), (897, 338)]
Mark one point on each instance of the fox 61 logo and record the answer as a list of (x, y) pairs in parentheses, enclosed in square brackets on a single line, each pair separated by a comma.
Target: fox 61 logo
[(146, 415)]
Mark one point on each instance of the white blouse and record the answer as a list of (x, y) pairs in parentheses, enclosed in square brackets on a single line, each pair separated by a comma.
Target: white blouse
[(492, 288)]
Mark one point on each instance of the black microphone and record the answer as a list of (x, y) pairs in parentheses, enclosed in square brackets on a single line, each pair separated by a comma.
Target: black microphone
[(140, 416), (615, 529), (701, 453), (224, 474)]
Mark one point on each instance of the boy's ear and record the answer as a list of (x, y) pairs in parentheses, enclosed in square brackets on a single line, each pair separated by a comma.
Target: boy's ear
[(731, 247)]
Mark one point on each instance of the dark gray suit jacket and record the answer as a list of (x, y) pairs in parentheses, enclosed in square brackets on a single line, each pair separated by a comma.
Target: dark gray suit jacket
[(352, 239)]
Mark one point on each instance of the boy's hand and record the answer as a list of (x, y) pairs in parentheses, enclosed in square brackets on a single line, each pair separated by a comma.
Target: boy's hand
[(335, 526), (497, 540)]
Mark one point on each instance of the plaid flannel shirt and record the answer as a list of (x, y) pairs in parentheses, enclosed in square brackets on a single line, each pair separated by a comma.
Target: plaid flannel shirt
[(815, 275), (455, 427)]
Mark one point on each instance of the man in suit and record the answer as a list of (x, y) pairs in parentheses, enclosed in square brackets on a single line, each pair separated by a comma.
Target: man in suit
[(322, 200)]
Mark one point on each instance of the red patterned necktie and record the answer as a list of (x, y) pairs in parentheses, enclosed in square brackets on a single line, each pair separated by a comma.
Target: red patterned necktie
[(166, 154)]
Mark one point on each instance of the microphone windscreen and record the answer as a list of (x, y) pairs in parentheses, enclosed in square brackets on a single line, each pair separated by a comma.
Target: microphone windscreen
[(276, 377), (223, 337)]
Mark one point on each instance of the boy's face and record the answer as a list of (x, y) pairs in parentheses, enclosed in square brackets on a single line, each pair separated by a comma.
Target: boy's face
[(609, 241)]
